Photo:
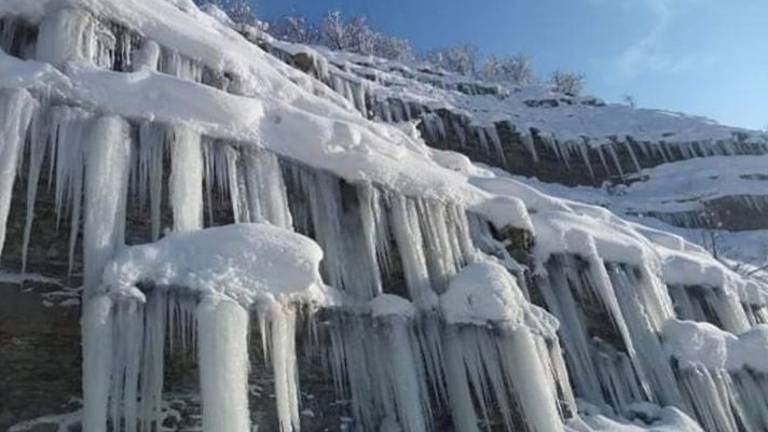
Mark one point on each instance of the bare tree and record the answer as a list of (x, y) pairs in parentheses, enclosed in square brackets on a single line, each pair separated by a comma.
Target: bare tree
[(570, 83), (240, 11), (297, 29), (516, 70), (461, 59), (392, 48), (334, 30), (358, 37)]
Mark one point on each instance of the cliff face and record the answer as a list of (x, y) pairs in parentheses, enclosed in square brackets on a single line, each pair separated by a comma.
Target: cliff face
[(162, 177), (533, 132)]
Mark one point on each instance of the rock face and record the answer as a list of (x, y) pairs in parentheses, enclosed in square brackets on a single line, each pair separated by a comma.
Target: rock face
[(499, 133), (40, 354)]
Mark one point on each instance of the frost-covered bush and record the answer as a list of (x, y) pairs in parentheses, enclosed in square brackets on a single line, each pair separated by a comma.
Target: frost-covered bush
[(517, 70), (296, 29), (392, 48), (355, 35), (570, 83), (461, 59)]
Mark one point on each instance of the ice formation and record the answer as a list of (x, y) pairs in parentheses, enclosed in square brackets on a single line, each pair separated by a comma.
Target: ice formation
[(455, 291), (198, 289)]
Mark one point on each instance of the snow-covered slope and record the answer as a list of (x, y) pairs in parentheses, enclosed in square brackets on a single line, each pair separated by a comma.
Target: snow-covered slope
[(154, 108), (527, 130)]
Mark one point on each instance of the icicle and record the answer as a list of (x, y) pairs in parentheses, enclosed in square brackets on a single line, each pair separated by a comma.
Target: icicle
[(128, 326), (186, 181), (615, 158), (267, 196), (338, 229), (152, 358), (408, 237), (401, 371), (583, 147), (460, 398), (68, 134), (370, 215), (66, 35), (360, 91), (496, 141), (560, 299), (152, 139), (483, 140), (646, 306), (148, 56), (458, 129), (282, 341), (600, 153), (16, 109), (37, 146), (631, 151), (176, 64), (223, 357), (535, 392), (108, 159), (97, 362), (528, 142)]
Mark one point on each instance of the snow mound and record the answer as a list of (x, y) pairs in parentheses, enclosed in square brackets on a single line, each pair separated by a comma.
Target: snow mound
[(694, 343), (483, 293), (247, 262)]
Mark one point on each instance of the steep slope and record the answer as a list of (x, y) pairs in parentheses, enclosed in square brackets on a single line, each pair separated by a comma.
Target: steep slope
[(534, 132), (453, 297), (529, 130)]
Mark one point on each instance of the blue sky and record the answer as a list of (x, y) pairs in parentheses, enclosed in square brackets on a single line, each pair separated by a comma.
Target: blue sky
[(707, 57)]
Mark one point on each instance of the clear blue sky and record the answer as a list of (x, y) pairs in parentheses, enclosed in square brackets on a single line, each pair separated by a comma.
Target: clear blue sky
[(707, 57)]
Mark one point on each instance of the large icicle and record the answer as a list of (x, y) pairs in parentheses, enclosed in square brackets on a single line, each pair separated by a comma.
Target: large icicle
[(491, 349), (37, 146), (223, 353), (108, 160), (267, 196), (97, 362), (278, 326), (16, 109), (186, 181)]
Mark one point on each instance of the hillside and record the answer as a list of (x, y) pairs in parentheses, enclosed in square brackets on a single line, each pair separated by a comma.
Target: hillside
[(253, 236)]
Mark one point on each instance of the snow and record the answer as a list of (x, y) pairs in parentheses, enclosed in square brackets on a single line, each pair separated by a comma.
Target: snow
[(482, 293), (247, 262), (695, 342), (573, 119), (649, 418), (391, 305), (505, 211)]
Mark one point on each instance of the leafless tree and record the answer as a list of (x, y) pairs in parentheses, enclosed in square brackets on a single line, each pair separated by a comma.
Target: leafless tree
[(570, 83), (516, 70), (297, 29), (461, 59), (392, 48), (334, 30)]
